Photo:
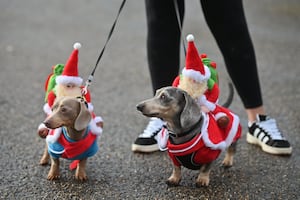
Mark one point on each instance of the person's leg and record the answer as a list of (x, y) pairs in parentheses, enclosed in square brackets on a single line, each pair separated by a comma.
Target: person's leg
[(227, 22), (163, 51), (163, 41)]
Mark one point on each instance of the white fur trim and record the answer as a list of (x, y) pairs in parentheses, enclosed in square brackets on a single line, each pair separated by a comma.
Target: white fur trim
[(162, 139), (202, 101), (233, 130), (56, 152), (53, 138), (221, 146), (63, 79), (96, 130), (228, 141), (77, 45), (219, 115), (42, 125), (190, 37), (98, 119), (196, 75), (90, 107), (47, 109), (187, 148)]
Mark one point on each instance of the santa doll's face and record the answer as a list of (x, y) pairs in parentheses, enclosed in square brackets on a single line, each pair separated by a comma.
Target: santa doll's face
[(69, 89), (193, 88)]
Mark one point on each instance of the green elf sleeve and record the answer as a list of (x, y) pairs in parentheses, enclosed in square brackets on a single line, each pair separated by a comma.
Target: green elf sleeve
[(51, 82)]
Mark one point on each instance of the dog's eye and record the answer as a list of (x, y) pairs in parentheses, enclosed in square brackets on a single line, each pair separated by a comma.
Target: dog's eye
[(63, 109), (163, 97)]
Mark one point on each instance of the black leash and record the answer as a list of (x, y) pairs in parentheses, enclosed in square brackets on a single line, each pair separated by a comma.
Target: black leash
[(179, 24), (91, 76)]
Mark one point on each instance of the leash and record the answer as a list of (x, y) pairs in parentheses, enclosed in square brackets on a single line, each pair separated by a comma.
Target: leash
[(91, 76), (179, 24)]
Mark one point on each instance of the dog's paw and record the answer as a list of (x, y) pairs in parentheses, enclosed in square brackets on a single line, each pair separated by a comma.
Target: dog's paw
[(53, 176), (80, 176), (202, 181), (227, 162), (172, 183), (44, 161)]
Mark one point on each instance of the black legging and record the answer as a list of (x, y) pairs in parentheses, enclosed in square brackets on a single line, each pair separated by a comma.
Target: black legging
[(228, 25)]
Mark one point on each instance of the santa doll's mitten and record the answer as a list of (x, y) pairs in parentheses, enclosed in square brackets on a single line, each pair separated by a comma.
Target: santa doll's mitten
[(99, 121), (94, 126)]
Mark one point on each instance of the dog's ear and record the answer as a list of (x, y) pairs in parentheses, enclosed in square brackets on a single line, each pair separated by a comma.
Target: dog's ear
[(83, 118), (190, 114)]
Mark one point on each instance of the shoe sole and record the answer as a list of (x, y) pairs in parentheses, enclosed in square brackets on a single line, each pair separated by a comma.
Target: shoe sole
[(144, 148), (266, 148)]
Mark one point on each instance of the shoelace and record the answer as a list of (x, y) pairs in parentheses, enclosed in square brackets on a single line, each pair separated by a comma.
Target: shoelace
[(153, 126), (271, 127)]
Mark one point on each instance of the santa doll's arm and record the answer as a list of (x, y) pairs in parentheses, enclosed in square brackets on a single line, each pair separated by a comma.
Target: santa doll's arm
[(215, 109), (213, 91)]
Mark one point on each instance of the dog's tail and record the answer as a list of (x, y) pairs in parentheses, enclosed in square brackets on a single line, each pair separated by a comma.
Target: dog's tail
[(229, 99)]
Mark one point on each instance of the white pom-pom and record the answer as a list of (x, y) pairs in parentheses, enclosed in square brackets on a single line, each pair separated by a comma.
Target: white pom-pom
[(190, 38), (53, 138), (77, 45)]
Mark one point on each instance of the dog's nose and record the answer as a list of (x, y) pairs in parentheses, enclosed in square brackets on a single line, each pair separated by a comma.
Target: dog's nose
[(47, 124), (140, 107)]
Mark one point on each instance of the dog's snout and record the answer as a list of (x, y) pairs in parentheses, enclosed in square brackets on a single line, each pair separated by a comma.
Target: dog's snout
[(140, 107), (47, 124)]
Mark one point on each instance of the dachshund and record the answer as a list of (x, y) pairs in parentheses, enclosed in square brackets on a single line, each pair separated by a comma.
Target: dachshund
[(75, 140), (194, 138)]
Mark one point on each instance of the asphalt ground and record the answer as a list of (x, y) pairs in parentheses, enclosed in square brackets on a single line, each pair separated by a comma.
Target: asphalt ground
[(36, 34)]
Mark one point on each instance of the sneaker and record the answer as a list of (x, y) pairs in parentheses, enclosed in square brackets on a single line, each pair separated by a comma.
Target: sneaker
[(264, 132), (147, 141)]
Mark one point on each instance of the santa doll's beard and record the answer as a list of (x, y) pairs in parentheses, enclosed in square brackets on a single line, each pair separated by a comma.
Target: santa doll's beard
[(69, 92), (194, 89)]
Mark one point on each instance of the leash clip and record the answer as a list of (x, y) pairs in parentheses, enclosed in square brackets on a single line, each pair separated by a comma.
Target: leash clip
[(87, 84)]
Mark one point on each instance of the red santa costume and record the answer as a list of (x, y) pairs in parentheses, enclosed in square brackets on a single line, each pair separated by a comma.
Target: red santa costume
[(70, 75), (208, 144)]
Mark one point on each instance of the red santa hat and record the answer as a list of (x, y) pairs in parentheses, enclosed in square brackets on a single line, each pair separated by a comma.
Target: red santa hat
[(194, 68), (70, 72)]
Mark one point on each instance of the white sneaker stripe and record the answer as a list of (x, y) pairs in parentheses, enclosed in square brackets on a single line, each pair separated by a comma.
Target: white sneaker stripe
[(256, 132), (265, 139), (261, 135)]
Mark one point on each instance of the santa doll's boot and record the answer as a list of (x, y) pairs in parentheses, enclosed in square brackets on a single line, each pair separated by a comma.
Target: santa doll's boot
[(222, 120)]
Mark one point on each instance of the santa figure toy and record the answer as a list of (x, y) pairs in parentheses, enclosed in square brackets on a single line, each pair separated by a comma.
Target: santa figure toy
[(65, 81)]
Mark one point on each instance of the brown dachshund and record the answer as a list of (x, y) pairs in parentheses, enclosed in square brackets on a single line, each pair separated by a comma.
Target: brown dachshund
[(70, 119)]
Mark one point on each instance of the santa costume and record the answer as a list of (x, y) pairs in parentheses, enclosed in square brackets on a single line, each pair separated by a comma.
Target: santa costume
[(212, 139)]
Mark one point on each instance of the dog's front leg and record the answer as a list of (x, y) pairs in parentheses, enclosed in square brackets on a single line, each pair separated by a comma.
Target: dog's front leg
[(80, 171), (45, 158), (175, 178), (54, 169), (203, 177), (228, 160)]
